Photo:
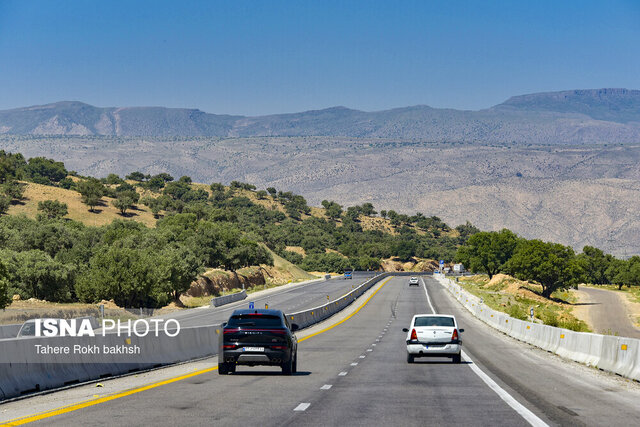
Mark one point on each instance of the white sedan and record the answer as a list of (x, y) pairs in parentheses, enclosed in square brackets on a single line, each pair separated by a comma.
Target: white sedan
[(434, 335)]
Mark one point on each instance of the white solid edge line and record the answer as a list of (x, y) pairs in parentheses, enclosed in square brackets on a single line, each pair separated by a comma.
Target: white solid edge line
[(302, 407), (525, 413)]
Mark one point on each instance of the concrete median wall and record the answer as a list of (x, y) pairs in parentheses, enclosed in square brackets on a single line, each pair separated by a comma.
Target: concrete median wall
[(618, 355), (23, 370), (9, 331), (228, 299)]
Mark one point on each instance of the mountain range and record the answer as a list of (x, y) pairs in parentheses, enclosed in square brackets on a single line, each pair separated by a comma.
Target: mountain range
[(560, 166), (567, 117)]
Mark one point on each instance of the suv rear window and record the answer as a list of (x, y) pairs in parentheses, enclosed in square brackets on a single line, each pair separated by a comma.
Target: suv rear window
[(255, 320), (434, 321)]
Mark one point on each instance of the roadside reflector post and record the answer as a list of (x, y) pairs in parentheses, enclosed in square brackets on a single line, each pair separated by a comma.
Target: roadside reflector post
[(266, 305), (101, 314), (531, 311), (327, 297)]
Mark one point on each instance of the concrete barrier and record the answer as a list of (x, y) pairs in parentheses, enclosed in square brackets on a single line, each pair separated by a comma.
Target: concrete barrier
[(9, 331), (618, 355), (227, 299), (23, 370)]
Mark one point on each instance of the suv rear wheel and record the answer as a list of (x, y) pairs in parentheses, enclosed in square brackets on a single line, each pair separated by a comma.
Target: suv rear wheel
[(223, 368), (288, 367)]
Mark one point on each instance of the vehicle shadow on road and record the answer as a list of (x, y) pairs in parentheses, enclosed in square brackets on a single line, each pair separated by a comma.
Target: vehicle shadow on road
[(270, 373), (440, 362)]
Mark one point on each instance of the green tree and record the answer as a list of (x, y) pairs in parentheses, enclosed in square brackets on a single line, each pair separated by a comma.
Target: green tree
[(5, 300), (113, 179), (367, 209), (137, 176), (45, 171), (52, 209), (261, 194), (91, 191), (126, 275), (5, 202), (124, 201), (14, 190), (621, 272), (332, 209), (552, 265), (594, 263), (178, 268), (36, 275), (467, 230), (383, 214), (272, 191), (488, 251)]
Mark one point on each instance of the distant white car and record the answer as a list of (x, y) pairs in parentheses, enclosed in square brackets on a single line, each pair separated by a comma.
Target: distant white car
[(413, 281), (434, 335)]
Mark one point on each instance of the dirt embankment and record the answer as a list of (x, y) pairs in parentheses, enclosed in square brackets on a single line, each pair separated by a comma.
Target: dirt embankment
[(215, 282), (415, 264)]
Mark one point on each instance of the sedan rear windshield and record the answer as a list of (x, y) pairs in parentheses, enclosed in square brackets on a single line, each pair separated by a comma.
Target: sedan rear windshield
[(434, 321), (255, 321)]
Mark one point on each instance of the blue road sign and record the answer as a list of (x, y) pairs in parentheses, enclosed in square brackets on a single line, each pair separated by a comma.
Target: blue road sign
[(251, 305), (441, 262)]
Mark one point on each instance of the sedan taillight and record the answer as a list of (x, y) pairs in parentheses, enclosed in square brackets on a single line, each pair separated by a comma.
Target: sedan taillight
[(454, 337), (414, 335)]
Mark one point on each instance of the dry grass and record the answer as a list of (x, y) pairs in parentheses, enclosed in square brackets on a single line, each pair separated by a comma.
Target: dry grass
[(297, 249), (78, 211), (515, 297)]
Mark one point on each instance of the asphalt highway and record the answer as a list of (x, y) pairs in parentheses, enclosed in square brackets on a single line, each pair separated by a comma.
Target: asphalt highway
[(356, 373), (297, 298)]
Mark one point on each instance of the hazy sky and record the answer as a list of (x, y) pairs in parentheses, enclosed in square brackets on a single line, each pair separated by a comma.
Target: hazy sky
[(246, 57)]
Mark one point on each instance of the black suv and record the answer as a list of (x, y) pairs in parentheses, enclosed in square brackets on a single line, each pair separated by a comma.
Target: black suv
[(258, 337)]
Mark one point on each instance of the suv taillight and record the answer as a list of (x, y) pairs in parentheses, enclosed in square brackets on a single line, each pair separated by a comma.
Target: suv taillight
[(414, 335), (454, 337)]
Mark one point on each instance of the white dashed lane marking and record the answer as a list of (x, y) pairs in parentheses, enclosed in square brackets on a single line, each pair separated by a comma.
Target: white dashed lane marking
[(363, 356), (302, 407), (354, 364), (342, 374), (326, 387)]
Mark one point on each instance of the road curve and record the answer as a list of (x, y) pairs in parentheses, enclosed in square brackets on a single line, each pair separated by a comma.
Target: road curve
[(356, 374), (290, 300), (608, 314)]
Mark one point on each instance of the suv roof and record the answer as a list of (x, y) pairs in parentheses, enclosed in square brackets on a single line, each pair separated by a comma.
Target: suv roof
[(257, 311)]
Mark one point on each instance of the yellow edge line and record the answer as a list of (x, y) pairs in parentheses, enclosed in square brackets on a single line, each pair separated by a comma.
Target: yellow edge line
[(87, 403), (346, 318)]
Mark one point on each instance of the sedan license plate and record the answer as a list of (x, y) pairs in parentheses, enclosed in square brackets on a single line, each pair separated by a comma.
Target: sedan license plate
[(253, 349)]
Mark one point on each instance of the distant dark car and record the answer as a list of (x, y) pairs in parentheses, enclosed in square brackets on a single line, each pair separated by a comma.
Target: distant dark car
[(348, 275), (258, 337)]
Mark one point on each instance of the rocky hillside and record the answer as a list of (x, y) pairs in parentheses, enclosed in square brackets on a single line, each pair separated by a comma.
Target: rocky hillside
[(577, 117)]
